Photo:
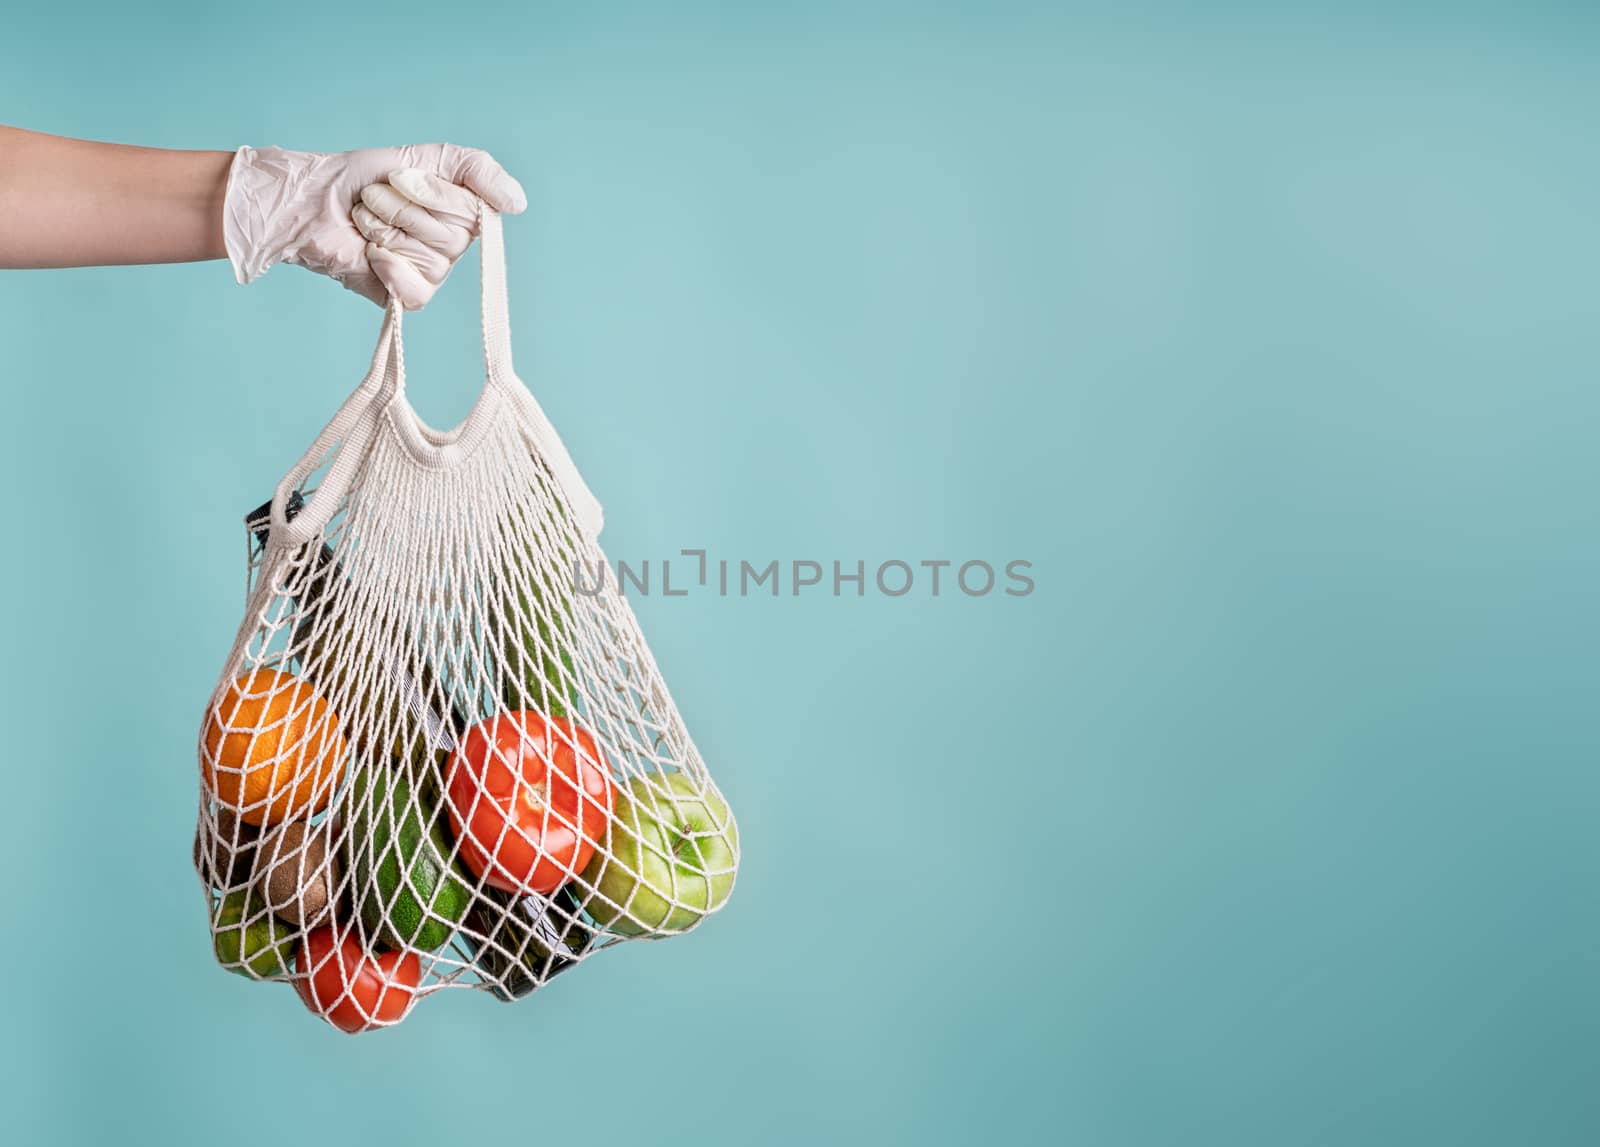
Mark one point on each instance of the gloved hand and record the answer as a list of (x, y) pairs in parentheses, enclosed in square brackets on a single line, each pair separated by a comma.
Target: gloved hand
[(380, 220)]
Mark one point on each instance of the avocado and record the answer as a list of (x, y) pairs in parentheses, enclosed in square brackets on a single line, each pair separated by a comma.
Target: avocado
[(397, 849)]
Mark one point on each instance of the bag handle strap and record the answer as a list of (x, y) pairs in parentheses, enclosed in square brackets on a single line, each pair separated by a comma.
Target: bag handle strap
[(348, 432), (497, 365), (495, 306), (354, 424), (496, 301)]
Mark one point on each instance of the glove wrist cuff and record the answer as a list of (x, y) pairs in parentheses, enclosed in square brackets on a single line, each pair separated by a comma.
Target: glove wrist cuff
[(257, 223)]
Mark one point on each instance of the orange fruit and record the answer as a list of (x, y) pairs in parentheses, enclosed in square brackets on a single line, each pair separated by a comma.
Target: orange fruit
[(272, 749)]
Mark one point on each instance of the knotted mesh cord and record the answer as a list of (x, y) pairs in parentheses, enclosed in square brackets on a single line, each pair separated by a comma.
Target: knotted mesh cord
[(439, 590)]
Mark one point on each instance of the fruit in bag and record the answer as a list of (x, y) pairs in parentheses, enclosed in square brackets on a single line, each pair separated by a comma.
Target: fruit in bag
[(228, 861), (272, 749), (529, 797), (354, 991), (668, 860), (299, 877), (246, 935), (398, 853)]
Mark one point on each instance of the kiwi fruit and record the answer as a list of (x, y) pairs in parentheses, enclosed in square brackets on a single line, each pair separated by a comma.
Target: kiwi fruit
[(231, 857), (298, 873)]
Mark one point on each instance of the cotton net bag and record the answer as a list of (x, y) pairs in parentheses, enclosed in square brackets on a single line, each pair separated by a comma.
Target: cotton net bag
[(437, 756)]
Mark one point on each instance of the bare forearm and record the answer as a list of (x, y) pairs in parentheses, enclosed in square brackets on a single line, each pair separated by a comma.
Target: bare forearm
[(73, 203)]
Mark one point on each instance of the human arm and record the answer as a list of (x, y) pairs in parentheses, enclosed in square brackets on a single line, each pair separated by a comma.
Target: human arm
[(380, 221), (74, 203)]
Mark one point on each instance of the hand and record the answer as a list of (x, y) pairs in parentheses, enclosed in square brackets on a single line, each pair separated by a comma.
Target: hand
[(417, 225), (380, 221)]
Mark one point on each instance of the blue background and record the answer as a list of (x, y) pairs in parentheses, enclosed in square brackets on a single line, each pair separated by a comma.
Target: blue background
[(1267, 333)]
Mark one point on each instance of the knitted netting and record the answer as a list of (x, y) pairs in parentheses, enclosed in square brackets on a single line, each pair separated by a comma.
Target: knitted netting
[(436, 756)]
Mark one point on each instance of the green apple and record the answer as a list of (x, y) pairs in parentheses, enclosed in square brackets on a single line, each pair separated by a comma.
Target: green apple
[(668, 860)]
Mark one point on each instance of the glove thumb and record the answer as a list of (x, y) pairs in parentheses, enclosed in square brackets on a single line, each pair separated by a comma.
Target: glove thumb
[(400, 278), (480, 174)]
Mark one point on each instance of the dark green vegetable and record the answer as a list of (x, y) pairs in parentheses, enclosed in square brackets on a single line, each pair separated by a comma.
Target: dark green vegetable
[(530, 627), (397, 849), (525, 947)]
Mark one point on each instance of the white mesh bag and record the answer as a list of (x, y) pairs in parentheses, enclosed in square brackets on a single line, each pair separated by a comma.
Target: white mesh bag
[(436, 757)]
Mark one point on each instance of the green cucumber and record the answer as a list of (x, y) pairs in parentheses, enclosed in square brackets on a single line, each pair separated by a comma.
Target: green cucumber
[(530, 624), (523, 951)]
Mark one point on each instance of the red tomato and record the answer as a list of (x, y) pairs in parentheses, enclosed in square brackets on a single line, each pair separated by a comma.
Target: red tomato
[(353, 991), (529, 797)]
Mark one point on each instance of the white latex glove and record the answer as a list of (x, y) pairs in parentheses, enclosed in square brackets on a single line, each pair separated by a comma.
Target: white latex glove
[(417, 225), (300, 207)]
